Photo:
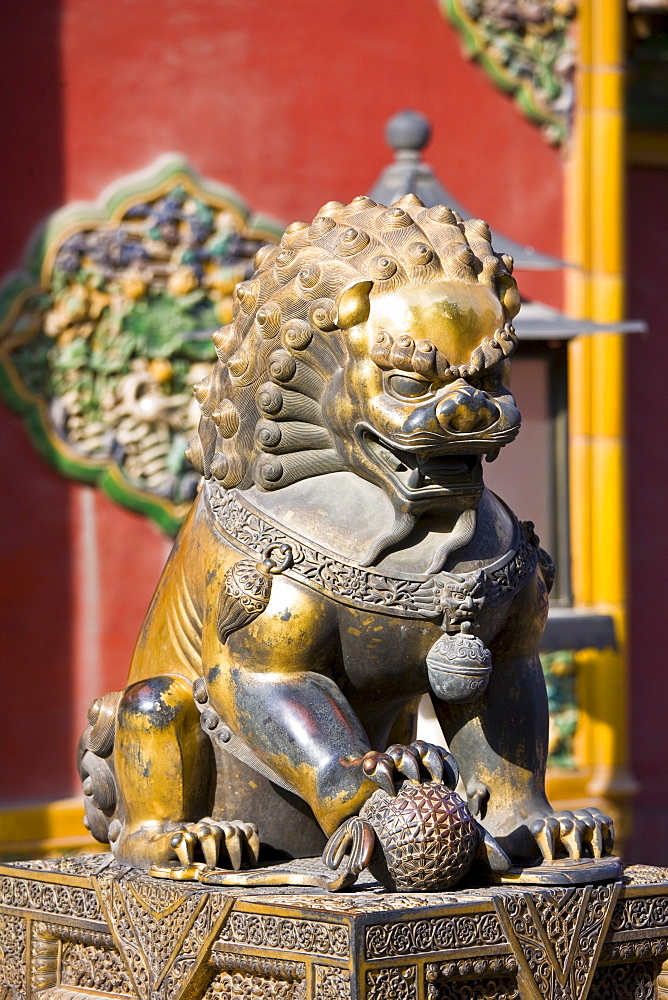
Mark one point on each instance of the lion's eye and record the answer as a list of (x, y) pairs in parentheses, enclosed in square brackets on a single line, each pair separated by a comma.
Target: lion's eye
[(409, 388), (489, 381)]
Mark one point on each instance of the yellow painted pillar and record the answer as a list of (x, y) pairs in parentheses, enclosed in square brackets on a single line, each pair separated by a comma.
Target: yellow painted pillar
[(595, 242), (578, 295)]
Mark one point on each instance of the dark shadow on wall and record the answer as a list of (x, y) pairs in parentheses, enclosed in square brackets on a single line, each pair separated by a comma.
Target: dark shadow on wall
[(35, 522), (648, 511)]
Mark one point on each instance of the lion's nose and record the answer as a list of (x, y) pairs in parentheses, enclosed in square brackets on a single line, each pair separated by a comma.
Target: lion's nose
[(464, 409)]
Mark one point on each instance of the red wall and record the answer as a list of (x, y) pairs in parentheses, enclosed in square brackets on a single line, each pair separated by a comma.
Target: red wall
[(285, 102)]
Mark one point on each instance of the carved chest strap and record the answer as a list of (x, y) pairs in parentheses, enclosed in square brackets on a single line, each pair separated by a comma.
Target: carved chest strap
[(445, 597)]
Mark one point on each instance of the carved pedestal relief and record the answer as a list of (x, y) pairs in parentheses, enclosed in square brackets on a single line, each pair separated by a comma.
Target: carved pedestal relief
[(72, 929), (556, 937)]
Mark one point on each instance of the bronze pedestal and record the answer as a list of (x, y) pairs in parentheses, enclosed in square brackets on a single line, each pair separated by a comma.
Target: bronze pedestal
[(87, 926)]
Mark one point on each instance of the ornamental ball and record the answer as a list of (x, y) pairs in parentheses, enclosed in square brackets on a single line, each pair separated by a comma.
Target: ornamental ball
[(426, 837)]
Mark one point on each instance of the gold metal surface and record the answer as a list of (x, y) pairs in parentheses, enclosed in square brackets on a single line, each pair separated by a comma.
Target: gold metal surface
[(343, 559)]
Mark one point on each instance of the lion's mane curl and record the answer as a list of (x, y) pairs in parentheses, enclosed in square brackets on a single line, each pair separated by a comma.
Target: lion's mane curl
[(261, 417)]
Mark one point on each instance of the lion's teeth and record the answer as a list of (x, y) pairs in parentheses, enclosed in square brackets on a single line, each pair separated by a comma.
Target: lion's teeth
[(415, 479), (391, 460), (492, 455)]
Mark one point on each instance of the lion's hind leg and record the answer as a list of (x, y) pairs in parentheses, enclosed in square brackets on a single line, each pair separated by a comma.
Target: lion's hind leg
[(153, 777), (164, 768)]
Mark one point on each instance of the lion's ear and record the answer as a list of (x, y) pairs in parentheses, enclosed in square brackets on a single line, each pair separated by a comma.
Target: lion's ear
[(509, 296), (352, 304)]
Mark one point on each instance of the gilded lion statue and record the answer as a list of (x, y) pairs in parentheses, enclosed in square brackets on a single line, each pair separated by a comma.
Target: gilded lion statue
[(343, 559)]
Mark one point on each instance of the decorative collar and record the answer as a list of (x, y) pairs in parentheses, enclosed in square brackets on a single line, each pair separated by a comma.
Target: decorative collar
[(446, 598)]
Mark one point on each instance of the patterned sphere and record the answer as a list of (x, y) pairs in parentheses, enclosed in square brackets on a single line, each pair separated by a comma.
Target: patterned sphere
[(426, 837)]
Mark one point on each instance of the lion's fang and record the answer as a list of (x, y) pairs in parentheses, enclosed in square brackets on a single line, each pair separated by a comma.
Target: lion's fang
[(415, 479)]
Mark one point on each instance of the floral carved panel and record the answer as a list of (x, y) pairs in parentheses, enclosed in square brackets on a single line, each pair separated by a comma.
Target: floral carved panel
[(525, 47), (105, 331)]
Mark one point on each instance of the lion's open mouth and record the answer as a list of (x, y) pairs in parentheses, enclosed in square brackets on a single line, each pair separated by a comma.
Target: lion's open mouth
[(423, 475)]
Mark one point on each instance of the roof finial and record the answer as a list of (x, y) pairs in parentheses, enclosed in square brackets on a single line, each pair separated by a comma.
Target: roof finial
[(408, 132)]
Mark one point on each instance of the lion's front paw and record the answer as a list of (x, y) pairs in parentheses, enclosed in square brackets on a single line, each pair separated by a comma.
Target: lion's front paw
[(580, 832), (415, 761), (222, 844), (349, 850)]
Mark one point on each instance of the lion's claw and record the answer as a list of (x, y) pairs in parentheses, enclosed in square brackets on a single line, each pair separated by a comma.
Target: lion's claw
[(351, 846), (605, 826), (592, 833), (489, 853), (184, 843), (578, 832), (210, 836), (405, 760), (439, 763), (410, 762), (545, 831), (571, 835), (380, 768), (229, 839)]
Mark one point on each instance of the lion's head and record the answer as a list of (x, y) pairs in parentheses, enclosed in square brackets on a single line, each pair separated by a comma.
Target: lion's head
[(374, 340)]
